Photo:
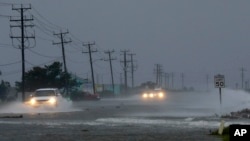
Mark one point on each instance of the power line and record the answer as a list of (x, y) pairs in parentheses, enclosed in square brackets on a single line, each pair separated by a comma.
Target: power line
[(5, 4), (30, 63), (42, 25), (54, 25), (75, 45), (43, 38), (44, 31), (46, 56), (5, 16), (78, 62), (18, 71), (73, 49), (76, 38), (49, 26), (6, 45), (8, 64)]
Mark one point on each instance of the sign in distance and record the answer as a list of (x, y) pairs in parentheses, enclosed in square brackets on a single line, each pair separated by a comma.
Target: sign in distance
[(219, 81)]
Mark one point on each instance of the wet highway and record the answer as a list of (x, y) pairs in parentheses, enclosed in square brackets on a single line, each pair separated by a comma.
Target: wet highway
[(182, 116)]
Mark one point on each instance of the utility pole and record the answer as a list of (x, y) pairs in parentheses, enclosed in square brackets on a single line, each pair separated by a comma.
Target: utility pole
[(172, 76), (125, 67), (132, 68), (61, 36), (158, 74), (111, 69), (167, 80), (89, 45), (24, 38), (242, 77)]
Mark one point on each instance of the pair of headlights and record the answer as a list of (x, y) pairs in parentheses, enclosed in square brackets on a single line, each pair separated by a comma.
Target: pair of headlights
[(51, 100), (151, 95)]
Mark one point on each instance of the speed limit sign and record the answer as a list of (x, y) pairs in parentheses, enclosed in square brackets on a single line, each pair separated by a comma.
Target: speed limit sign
[(219, 81)]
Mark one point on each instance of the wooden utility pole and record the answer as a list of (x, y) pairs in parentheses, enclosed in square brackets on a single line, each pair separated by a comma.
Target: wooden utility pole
[(63, 41), (23, 38), (242, 77), (111, 69), (61, 36), (125, 67), (90, 51), (132, 68)]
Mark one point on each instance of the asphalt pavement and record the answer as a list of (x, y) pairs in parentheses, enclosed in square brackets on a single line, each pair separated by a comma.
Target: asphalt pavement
[(118, 119), (180, 117)]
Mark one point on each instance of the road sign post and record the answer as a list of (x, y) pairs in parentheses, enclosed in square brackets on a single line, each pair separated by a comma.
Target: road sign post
[(219, 82)]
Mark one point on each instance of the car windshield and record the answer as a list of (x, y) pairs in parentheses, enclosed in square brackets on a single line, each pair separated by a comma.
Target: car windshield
[(45, 93)]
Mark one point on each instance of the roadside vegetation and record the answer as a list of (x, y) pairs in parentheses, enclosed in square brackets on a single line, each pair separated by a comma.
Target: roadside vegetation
[(50, 76), (4, 88), (225, 134)]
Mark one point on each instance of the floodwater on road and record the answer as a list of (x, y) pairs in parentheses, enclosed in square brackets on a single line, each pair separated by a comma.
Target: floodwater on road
[(183, 115)]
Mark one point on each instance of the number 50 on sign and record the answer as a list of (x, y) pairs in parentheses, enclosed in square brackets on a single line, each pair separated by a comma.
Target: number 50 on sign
[(219, 81)]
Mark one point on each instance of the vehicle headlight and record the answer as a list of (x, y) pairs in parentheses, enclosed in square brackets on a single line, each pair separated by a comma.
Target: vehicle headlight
[(145, 95), (161, 95), (151, 95), (52, 100), (32, 101)]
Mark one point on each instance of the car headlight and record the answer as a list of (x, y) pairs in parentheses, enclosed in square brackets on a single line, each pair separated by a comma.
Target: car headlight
[(151, 95), (32, 101), (145, 95), (161, 95), (52, 100)]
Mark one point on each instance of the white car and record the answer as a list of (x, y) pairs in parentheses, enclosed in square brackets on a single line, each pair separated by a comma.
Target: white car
[(45, 96)]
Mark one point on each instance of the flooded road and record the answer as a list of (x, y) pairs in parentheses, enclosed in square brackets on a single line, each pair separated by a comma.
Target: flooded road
[(182, 116)]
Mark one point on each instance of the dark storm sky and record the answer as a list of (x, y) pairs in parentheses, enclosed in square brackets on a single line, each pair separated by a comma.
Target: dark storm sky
[(194, 37)]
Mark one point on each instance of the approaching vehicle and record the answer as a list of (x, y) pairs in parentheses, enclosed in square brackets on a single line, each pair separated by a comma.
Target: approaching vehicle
[(45, 96), (157, 93)]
